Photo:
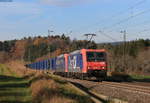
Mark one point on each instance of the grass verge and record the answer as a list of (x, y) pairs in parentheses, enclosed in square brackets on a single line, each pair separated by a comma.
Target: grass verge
[(37, 88), (52, 89), (13, 89), (140, 77), (122, 77)]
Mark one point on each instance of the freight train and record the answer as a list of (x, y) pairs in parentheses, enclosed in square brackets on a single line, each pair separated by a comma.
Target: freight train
[(79, 64)]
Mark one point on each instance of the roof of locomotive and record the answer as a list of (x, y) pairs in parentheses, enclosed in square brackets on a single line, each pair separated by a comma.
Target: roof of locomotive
[(95, 50), (75, 52), (62, 55), (88, 50)]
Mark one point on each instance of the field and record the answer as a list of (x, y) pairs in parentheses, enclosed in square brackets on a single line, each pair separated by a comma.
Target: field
[(37, 88), (13, 89)]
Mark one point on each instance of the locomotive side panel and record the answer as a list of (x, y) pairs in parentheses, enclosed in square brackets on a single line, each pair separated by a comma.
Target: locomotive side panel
[(75, 63), (60, 64)]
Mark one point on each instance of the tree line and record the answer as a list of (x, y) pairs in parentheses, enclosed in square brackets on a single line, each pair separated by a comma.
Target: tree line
[(128, 57), (62, 43)]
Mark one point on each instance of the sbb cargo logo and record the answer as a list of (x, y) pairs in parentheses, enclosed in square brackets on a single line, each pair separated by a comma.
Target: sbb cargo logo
[(73, 65), (73, 62)]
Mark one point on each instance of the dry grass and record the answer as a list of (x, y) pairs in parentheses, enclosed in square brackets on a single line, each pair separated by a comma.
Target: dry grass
[(47, 91), (19, 68), (40, 84), (52, 89)]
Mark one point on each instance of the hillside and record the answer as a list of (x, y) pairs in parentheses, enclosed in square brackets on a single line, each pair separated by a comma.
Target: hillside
[(33, 48), (131, 57)]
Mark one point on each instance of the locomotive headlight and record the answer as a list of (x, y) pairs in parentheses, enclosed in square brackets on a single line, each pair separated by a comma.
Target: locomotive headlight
[(103, 67)]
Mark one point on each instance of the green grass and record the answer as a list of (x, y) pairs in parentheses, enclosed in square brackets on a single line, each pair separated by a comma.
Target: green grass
[(120, 77), (13, 89), (4, 70), (140, 77)]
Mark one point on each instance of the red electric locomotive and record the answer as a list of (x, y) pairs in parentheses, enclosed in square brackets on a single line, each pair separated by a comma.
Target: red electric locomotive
[(87, 63)]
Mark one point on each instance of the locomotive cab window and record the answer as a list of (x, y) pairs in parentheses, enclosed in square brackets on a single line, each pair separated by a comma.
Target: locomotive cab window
[(96, 56)]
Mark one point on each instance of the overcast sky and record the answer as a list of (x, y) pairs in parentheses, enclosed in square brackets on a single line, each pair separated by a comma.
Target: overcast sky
[(106, 18)]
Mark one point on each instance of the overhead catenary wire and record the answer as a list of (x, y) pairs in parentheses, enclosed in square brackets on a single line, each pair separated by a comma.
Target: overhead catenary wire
[(113, 16), (145, 11), (129, 8), (141, 31), (124, 20), (108, 36), (145, 30), (127, 19), (135, 25)]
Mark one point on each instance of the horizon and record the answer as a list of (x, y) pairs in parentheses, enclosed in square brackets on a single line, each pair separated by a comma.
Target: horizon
[(74, 39)]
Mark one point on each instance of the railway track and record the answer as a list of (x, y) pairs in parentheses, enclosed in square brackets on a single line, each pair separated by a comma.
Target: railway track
[(82, 89), (101, 92), (96, 97), (122, 86), (128, 87)]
